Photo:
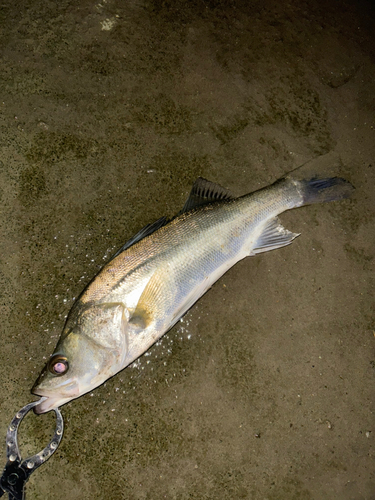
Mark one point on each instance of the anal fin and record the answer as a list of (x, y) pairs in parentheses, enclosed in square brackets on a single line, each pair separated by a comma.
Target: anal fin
[(273, 236)]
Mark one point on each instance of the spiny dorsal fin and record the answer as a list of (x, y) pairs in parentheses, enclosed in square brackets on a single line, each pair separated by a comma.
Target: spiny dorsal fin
[(204, 192), (145, 231)]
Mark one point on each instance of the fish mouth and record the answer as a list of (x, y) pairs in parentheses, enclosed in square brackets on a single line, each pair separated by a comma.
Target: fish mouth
[(48, 403)]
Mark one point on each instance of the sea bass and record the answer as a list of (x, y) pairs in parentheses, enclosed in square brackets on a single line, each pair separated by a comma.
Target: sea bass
[(161, 272)]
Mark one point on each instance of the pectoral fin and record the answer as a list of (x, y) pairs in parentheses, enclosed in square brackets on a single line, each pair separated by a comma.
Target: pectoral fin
[(151, 302)]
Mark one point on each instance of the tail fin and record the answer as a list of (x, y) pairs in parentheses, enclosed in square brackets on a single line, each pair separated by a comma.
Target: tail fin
[(325, 190)]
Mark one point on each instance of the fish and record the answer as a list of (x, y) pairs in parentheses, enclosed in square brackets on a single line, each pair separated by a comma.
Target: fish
[(156, 277)]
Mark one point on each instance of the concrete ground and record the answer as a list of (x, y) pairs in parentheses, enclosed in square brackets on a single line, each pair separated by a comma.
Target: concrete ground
[(109, 111)]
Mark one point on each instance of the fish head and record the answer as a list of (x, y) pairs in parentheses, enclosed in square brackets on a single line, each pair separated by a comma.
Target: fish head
[(91, 349)]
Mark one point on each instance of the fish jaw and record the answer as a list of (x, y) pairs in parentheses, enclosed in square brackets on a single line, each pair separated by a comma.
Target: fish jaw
[(47, 404), (51, 399), (54, 397), (54, 393)]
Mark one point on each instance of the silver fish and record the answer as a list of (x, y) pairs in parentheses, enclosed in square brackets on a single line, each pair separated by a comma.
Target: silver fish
[(161, 272)]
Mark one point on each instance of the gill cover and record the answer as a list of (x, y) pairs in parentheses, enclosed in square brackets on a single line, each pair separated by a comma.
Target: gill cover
[(92, 348)]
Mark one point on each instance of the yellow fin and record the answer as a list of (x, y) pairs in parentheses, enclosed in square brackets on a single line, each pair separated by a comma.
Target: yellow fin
[(151, 301)]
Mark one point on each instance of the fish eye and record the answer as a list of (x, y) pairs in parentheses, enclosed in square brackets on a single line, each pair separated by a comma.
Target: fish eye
[(58, 365)]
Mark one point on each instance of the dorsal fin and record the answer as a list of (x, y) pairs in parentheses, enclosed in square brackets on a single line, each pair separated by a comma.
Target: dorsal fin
[(145, 231), (204, 192)]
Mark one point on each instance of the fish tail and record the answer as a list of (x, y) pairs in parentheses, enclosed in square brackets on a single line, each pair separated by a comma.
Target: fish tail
[(324, 190)]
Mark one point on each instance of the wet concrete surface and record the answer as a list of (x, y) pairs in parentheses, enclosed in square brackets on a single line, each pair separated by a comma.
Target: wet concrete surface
[(109, 111)]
